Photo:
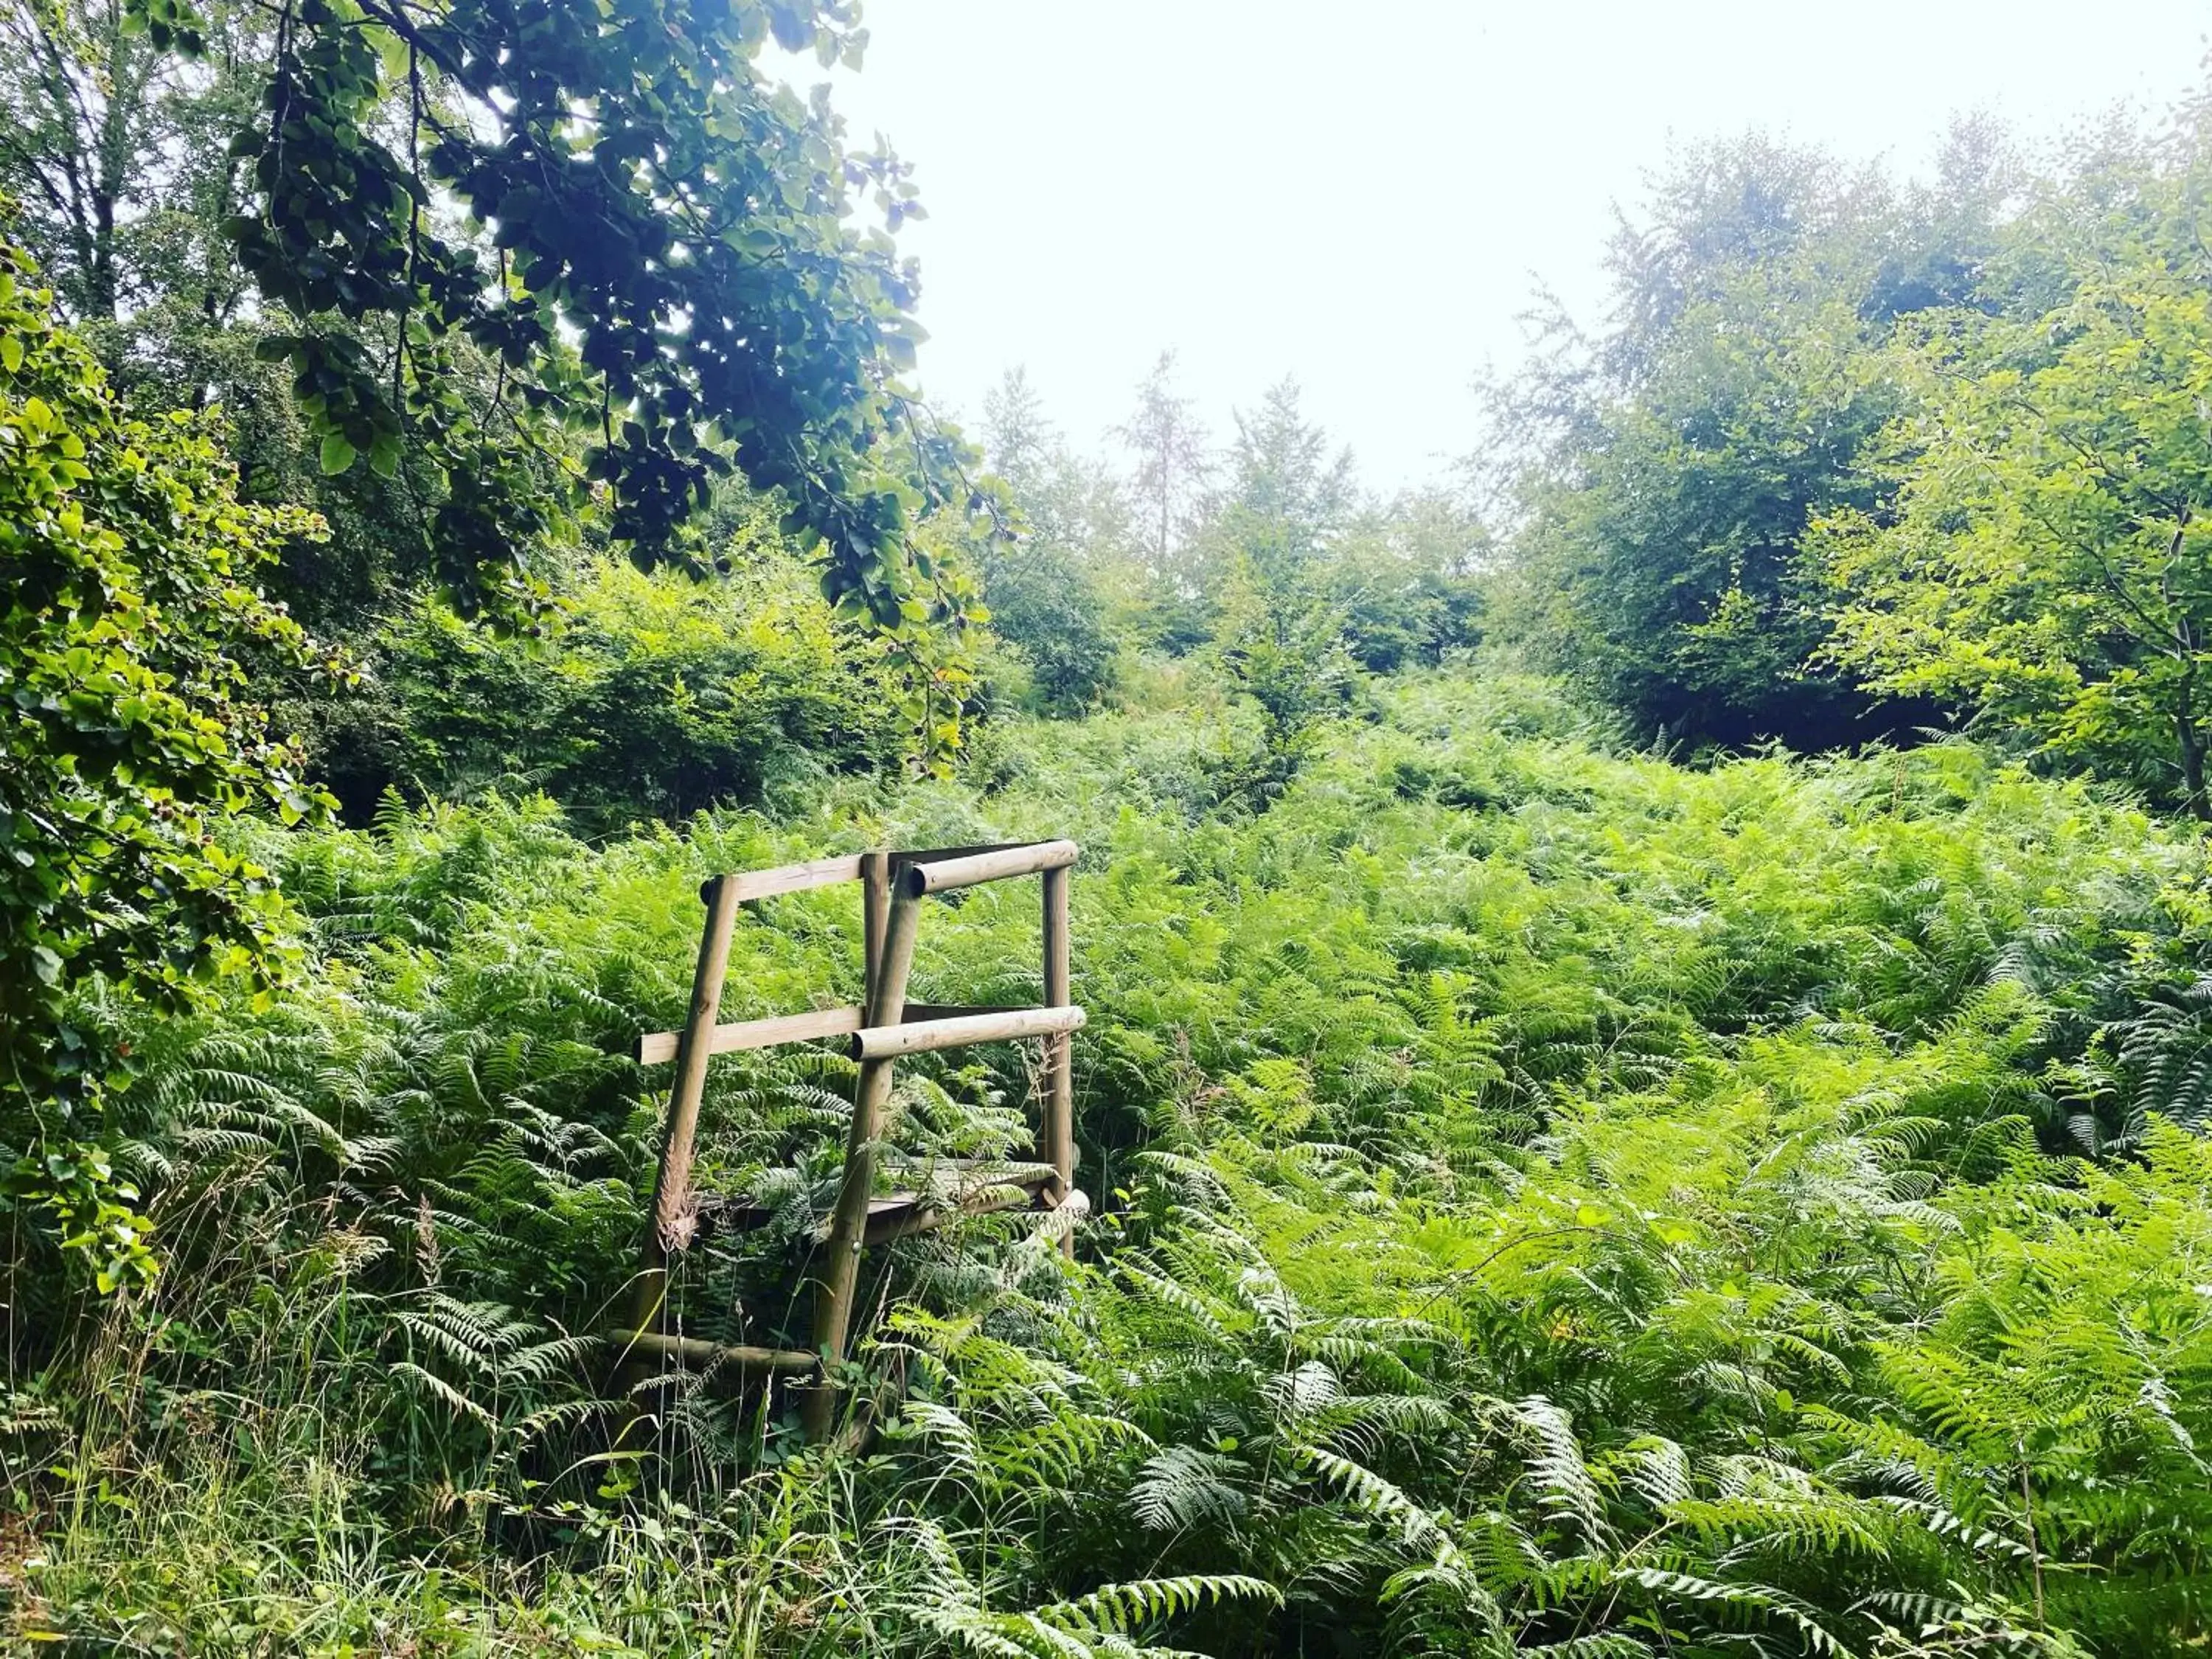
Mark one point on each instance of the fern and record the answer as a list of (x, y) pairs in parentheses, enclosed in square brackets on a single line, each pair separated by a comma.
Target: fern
[(1566, 1203)]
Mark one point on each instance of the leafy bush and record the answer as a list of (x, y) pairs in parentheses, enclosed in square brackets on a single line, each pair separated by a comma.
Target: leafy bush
[(1045, 604), (655, 697), (2038, 562), (127, 737)]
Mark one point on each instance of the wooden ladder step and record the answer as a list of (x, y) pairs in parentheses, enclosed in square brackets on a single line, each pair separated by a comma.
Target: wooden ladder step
[(655, 1048), (900, 1215), (962, 1185), (736, 1356)]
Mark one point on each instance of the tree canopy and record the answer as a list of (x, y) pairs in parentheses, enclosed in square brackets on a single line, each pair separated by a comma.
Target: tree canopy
[(2047, 561), (1681, 454), (649, 244)]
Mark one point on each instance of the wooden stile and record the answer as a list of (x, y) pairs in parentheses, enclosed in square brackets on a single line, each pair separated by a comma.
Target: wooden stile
[(883, 1027)]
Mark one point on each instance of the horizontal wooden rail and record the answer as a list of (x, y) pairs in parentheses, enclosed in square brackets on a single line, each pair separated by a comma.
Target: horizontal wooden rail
[(657, 1047), (905, 1224), (697, 1350), (797, 878), (828, 872), (939, 855), (938, 875), (1001, 1025)]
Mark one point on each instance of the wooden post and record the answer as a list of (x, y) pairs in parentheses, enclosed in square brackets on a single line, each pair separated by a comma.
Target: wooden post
[(875, 905), (1057, 1118), (848, 1226), (671, 1189)]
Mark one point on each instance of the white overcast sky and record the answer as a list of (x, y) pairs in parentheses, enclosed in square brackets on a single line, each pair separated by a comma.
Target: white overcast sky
[(1365, 195)]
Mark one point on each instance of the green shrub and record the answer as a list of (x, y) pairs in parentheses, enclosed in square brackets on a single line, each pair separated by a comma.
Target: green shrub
[(655, 697), (129, 622), (1046, 604)]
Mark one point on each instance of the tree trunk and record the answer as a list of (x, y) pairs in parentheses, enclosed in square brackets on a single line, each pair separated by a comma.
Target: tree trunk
[(2191, 739), (2188, 734)]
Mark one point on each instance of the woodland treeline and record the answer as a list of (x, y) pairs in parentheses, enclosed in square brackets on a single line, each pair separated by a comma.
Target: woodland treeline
[(1650, 1002)]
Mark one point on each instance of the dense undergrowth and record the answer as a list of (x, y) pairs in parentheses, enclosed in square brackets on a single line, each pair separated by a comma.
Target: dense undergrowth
[(1553, 1200), (656, 695)]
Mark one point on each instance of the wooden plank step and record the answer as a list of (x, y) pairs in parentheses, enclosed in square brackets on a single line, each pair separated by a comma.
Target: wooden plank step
[(894, 1223), (974, 1186), (900, 1215)]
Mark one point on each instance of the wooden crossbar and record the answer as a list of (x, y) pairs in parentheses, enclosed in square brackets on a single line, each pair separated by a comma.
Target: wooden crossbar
[(852, 866), (658, 1047), (938, 876), (796, 877), (994, 1025)]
